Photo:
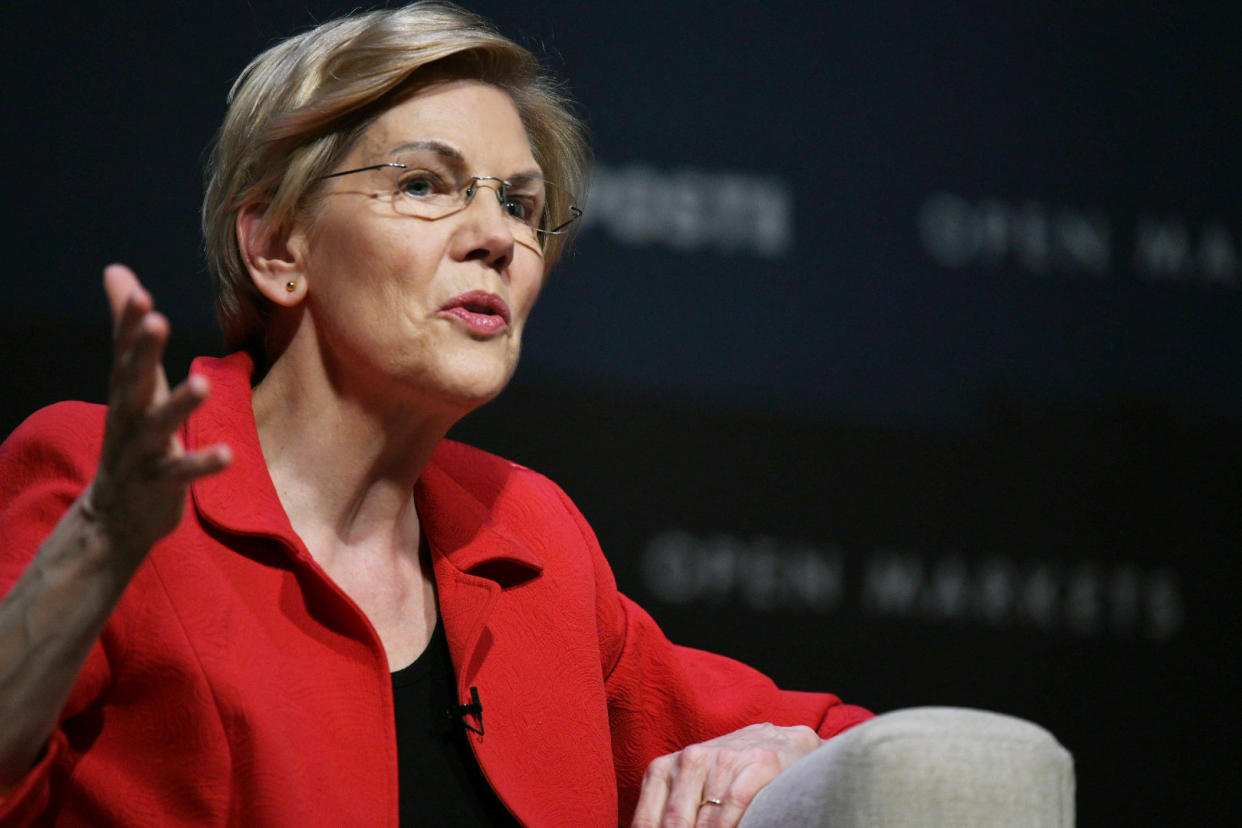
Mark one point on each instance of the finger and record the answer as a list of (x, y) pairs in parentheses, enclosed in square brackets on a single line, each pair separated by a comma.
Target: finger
[(183, 467), (718, 816), (710, 813), (720, 809), (727, 814), (128, 301), (121, 285), (130, 304), (167, 417), (687, 791), (126, 328), (138, 369), (654, 793), (201, 463), (735, 794)]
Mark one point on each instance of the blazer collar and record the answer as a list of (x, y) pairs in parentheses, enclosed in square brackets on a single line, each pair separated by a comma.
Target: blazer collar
[(462, 528), (242, 499)]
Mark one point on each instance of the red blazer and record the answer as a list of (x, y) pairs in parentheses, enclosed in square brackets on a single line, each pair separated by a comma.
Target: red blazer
[(237, 684)]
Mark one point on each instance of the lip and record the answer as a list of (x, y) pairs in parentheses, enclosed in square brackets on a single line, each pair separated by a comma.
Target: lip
[(481, 312)]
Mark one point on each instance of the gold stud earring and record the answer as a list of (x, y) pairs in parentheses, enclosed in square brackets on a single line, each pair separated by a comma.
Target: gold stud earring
[(290, 287)]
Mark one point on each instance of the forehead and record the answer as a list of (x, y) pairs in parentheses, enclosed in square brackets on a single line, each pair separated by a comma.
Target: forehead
[(478, 120)]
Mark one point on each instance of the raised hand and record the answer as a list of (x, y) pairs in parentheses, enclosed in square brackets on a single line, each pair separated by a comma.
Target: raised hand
[(54, 613), (138, 493), (710, 785)]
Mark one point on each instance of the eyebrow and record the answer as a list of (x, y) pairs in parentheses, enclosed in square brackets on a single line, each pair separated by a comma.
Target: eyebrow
[(435, 146), (440, 148), (526, 178)]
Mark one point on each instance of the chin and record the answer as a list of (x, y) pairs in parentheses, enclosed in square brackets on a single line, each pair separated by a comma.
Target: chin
[(453, 379), (466, 392)]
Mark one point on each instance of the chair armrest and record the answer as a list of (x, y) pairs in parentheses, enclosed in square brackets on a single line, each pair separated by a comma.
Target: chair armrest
[(926, 766)]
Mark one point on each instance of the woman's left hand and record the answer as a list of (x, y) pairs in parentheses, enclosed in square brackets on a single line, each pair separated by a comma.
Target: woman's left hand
[(681, 789)]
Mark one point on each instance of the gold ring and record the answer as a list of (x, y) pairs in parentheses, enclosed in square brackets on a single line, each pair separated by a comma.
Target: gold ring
[(710, 802)]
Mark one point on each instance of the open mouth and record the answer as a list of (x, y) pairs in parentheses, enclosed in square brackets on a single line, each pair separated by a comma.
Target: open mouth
[(480, 311), (485, 308)]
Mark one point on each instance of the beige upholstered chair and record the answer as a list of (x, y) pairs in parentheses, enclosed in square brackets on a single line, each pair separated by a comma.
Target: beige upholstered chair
[(932, 767)]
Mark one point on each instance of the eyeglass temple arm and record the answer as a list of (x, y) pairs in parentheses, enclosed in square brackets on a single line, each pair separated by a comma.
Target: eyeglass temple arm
[(362, 169), (560, 228)]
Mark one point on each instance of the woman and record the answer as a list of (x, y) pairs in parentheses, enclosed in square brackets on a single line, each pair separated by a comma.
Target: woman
[(250, 599)]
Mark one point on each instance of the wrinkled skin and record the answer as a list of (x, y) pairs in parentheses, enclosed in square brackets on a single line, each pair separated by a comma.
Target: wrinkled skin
[(732, 769)]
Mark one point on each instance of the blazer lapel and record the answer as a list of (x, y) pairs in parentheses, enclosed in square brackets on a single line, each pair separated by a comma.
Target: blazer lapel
[(472, 560)]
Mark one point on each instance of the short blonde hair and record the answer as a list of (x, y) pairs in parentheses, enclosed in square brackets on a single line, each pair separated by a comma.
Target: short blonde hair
[(299, 106)]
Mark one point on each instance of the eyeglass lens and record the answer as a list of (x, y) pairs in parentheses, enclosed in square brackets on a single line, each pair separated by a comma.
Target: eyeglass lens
[(428, 186)]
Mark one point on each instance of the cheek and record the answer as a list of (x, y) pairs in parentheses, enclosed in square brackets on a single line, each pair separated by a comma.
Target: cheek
[(526, 290), (377, 264)]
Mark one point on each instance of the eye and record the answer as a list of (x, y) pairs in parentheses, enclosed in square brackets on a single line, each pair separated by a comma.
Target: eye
[(520, 208), (419, 184), (527, 209)]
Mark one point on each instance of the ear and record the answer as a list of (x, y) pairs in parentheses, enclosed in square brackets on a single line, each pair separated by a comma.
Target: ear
[(273, 258)]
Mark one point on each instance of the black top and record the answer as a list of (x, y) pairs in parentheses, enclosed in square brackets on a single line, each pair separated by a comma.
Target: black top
[(439, 781)]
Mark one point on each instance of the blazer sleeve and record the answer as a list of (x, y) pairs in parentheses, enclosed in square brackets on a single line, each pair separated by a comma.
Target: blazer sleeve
[(663, 697), (44, 466)]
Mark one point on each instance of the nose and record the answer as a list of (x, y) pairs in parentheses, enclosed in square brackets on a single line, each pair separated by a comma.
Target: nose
[(487, 232)]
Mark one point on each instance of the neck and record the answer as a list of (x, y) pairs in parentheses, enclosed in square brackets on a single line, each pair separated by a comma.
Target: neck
[(344, 463)]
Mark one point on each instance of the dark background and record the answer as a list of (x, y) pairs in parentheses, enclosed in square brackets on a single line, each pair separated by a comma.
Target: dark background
[(898, 357)]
